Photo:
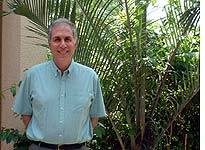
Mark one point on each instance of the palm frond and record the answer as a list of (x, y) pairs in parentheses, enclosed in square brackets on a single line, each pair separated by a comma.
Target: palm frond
[(42, 12), (174, 37), (190, 18)]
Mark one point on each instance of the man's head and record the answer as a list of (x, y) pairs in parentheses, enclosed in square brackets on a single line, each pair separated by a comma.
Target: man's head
[(63, 41), (62, 21)]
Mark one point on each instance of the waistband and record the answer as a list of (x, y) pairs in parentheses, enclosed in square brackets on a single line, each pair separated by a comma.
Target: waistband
[(59, 146)]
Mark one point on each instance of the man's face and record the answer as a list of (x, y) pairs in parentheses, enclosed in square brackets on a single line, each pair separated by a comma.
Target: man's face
[(62, 43)]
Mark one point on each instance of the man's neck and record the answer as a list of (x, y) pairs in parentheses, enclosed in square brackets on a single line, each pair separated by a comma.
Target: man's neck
[(62, 65)]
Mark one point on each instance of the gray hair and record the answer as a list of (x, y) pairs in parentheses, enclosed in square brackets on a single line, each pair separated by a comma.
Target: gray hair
[(62, 21)]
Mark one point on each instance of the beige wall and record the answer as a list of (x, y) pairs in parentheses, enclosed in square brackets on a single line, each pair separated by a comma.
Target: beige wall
[(18, 54)]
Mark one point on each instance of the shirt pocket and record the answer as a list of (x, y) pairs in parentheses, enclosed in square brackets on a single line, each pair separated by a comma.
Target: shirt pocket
[(81, 102)]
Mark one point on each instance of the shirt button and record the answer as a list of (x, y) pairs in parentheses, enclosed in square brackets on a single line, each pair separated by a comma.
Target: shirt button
[(60, 135)]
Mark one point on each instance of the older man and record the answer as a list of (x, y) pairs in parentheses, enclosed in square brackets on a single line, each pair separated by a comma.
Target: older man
[(60, 101)]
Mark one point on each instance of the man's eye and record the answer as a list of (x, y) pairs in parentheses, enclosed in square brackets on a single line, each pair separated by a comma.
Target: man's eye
[(56, 40), (67, 40)]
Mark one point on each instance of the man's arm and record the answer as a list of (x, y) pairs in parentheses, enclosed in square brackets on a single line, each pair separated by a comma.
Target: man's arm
[(94, 122), (26, 119)]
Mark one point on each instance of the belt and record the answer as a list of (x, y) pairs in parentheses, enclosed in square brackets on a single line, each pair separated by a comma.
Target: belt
[(59, 146)]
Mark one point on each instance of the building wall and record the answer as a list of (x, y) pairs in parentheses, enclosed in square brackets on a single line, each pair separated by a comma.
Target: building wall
[(18, 54)]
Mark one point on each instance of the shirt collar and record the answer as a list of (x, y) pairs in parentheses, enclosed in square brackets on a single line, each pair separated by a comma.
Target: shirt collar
[(57, 71)]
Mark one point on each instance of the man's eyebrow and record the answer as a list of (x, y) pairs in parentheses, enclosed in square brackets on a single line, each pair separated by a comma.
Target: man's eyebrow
[(56, 36), (64, 37)]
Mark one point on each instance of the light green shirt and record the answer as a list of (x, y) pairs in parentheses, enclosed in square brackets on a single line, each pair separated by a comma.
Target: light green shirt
[(61, 106)]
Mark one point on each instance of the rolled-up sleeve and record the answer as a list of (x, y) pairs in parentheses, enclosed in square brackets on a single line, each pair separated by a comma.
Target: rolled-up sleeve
[(97, 107), (22, 104)]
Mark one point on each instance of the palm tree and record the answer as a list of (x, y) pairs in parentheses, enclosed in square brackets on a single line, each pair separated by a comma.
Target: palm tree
[(117, 48), (177, 26)]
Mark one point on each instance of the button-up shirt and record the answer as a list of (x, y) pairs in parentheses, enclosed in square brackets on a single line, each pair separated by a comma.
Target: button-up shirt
[(61, 105)]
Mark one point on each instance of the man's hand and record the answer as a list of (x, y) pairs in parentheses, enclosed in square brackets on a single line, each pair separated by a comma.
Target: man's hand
[(26, 119), (94, 122)]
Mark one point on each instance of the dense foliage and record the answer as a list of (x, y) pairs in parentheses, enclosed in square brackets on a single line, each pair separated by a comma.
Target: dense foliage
[(149, 69)]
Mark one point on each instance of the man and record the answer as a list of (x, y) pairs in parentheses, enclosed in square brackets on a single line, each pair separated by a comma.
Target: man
[(60, 101)]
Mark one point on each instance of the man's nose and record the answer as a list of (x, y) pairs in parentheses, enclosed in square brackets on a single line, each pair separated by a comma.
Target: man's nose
[(63, 44)]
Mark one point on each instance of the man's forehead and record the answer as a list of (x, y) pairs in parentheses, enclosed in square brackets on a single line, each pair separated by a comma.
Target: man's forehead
[(62, 31)]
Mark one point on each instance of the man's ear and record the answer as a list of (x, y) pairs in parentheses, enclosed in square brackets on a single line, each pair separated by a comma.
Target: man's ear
[(49, 45), (76, 43)]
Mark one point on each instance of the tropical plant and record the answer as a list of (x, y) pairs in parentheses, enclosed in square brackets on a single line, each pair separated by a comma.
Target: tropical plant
[(175, 36), (148, 78)]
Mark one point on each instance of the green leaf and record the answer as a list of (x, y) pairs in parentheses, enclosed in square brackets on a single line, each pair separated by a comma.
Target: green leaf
[(153, 1), (99, 131), (19, 84), (13, 90)]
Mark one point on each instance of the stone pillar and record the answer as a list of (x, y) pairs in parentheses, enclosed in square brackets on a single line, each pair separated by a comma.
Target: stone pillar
[(18, 53)]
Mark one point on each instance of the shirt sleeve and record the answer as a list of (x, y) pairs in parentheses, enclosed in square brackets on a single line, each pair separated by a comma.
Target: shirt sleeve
[(22, 104), (97, 107)]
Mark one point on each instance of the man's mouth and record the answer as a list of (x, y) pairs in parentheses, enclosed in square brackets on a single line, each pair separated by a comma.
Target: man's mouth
[(63, 52)]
